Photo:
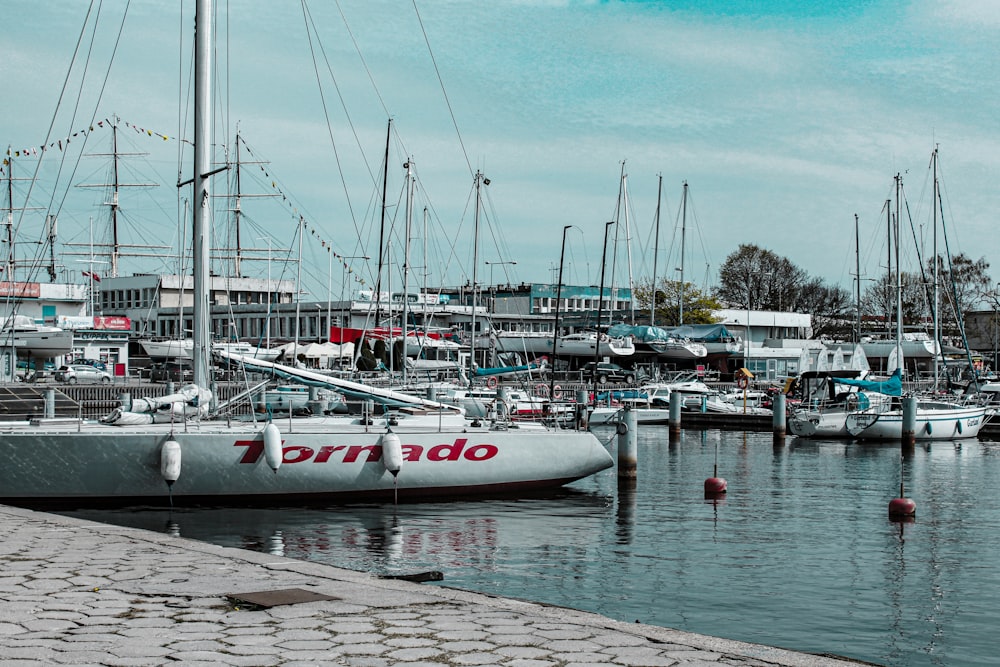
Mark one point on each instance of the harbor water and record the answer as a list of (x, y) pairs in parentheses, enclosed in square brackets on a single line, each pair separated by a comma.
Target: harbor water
[(800, 553)]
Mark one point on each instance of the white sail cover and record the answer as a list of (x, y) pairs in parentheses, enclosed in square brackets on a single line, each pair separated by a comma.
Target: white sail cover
[(190, 401)]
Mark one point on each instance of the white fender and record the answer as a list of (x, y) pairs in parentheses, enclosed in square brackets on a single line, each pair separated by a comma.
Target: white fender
[(273, 453), (170, 461), (392, 452)]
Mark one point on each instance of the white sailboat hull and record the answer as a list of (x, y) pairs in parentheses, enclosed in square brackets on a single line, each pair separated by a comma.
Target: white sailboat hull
[(42, 343), (568, 345), (181, 349), (602, 416), (932, 423), (323, 458)]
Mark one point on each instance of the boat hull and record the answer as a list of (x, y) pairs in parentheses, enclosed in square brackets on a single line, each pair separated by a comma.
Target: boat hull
[(944, 424), (44, 343), (602, 416), (321, 460)]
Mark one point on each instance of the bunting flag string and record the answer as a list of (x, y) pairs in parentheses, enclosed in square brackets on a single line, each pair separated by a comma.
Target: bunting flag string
[(305, 224), (33, 151)]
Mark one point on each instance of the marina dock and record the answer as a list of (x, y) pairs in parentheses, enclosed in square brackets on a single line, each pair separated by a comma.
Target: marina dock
[(81, 593)]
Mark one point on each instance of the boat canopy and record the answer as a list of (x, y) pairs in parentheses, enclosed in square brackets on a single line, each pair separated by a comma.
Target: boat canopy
[(701, 333), (891, 387)]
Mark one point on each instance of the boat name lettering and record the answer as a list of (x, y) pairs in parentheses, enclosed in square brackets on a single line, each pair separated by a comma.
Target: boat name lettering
[(460, 449)]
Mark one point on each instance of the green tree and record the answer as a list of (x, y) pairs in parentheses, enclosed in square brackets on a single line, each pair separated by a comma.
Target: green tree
[(698, 306)]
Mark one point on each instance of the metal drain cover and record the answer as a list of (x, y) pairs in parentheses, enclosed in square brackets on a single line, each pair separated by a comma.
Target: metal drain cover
[(268, 599)]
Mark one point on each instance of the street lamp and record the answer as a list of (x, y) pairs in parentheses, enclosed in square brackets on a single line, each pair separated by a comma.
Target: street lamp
[(492, 264)]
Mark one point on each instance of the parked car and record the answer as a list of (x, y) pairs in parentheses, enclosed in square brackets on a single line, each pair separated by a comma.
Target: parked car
[(82, 374), (605, 372), (81, 361), (172, 371)]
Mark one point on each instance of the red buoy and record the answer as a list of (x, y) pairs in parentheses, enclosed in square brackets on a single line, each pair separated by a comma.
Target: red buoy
[(902, 507), (715, 486)]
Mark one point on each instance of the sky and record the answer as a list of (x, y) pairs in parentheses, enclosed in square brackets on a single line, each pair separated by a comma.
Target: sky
[(786, 119)]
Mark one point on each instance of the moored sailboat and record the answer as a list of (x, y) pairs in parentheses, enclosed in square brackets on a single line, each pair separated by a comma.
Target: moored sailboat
[(415, 449)]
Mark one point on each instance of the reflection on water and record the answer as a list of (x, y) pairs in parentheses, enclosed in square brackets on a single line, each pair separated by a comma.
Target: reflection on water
[(799, 553)]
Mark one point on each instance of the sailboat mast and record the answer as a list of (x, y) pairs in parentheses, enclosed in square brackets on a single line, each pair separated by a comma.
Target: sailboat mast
[(628, 248), (935, 301), (656, 250), (202, 192), (114, 200), (857, 278), (9, 260), (680, 291), (237, 212), (381, 234), (899, 284), (480, 180), (411, 186)]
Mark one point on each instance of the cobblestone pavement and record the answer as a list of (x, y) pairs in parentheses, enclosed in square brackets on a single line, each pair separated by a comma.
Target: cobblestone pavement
[(80, 593)]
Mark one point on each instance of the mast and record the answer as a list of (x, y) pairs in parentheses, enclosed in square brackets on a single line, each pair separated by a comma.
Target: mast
[(480, 181), (237, 213), (935, 301), (600, 302), (555, 330), (899, 285), (411, 186), (9, 260), (857, 275), (202, 191), (656, 250), (888, 266), (381, 234), (628, 244), (114, 200), (680, 294)]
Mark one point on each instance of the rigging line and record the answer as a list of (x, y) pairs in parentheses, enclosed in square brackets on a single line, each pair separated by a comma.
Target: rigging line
[(364, 63), (48, 134), (100, 96), (444, 92), (307, 18), (38, 165)]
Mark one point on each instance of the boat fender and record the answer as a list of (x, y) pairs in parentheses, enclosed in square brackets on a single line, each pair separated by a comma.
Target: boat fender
[(621, 428), (491, 382), (392, 452), (170, 461), (273, 453), (927, 428), (958, 426)]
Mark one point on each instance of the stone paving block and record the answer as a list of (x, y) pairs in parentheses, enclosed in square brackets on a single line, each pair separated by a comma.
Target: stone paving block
[(413, 654)]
